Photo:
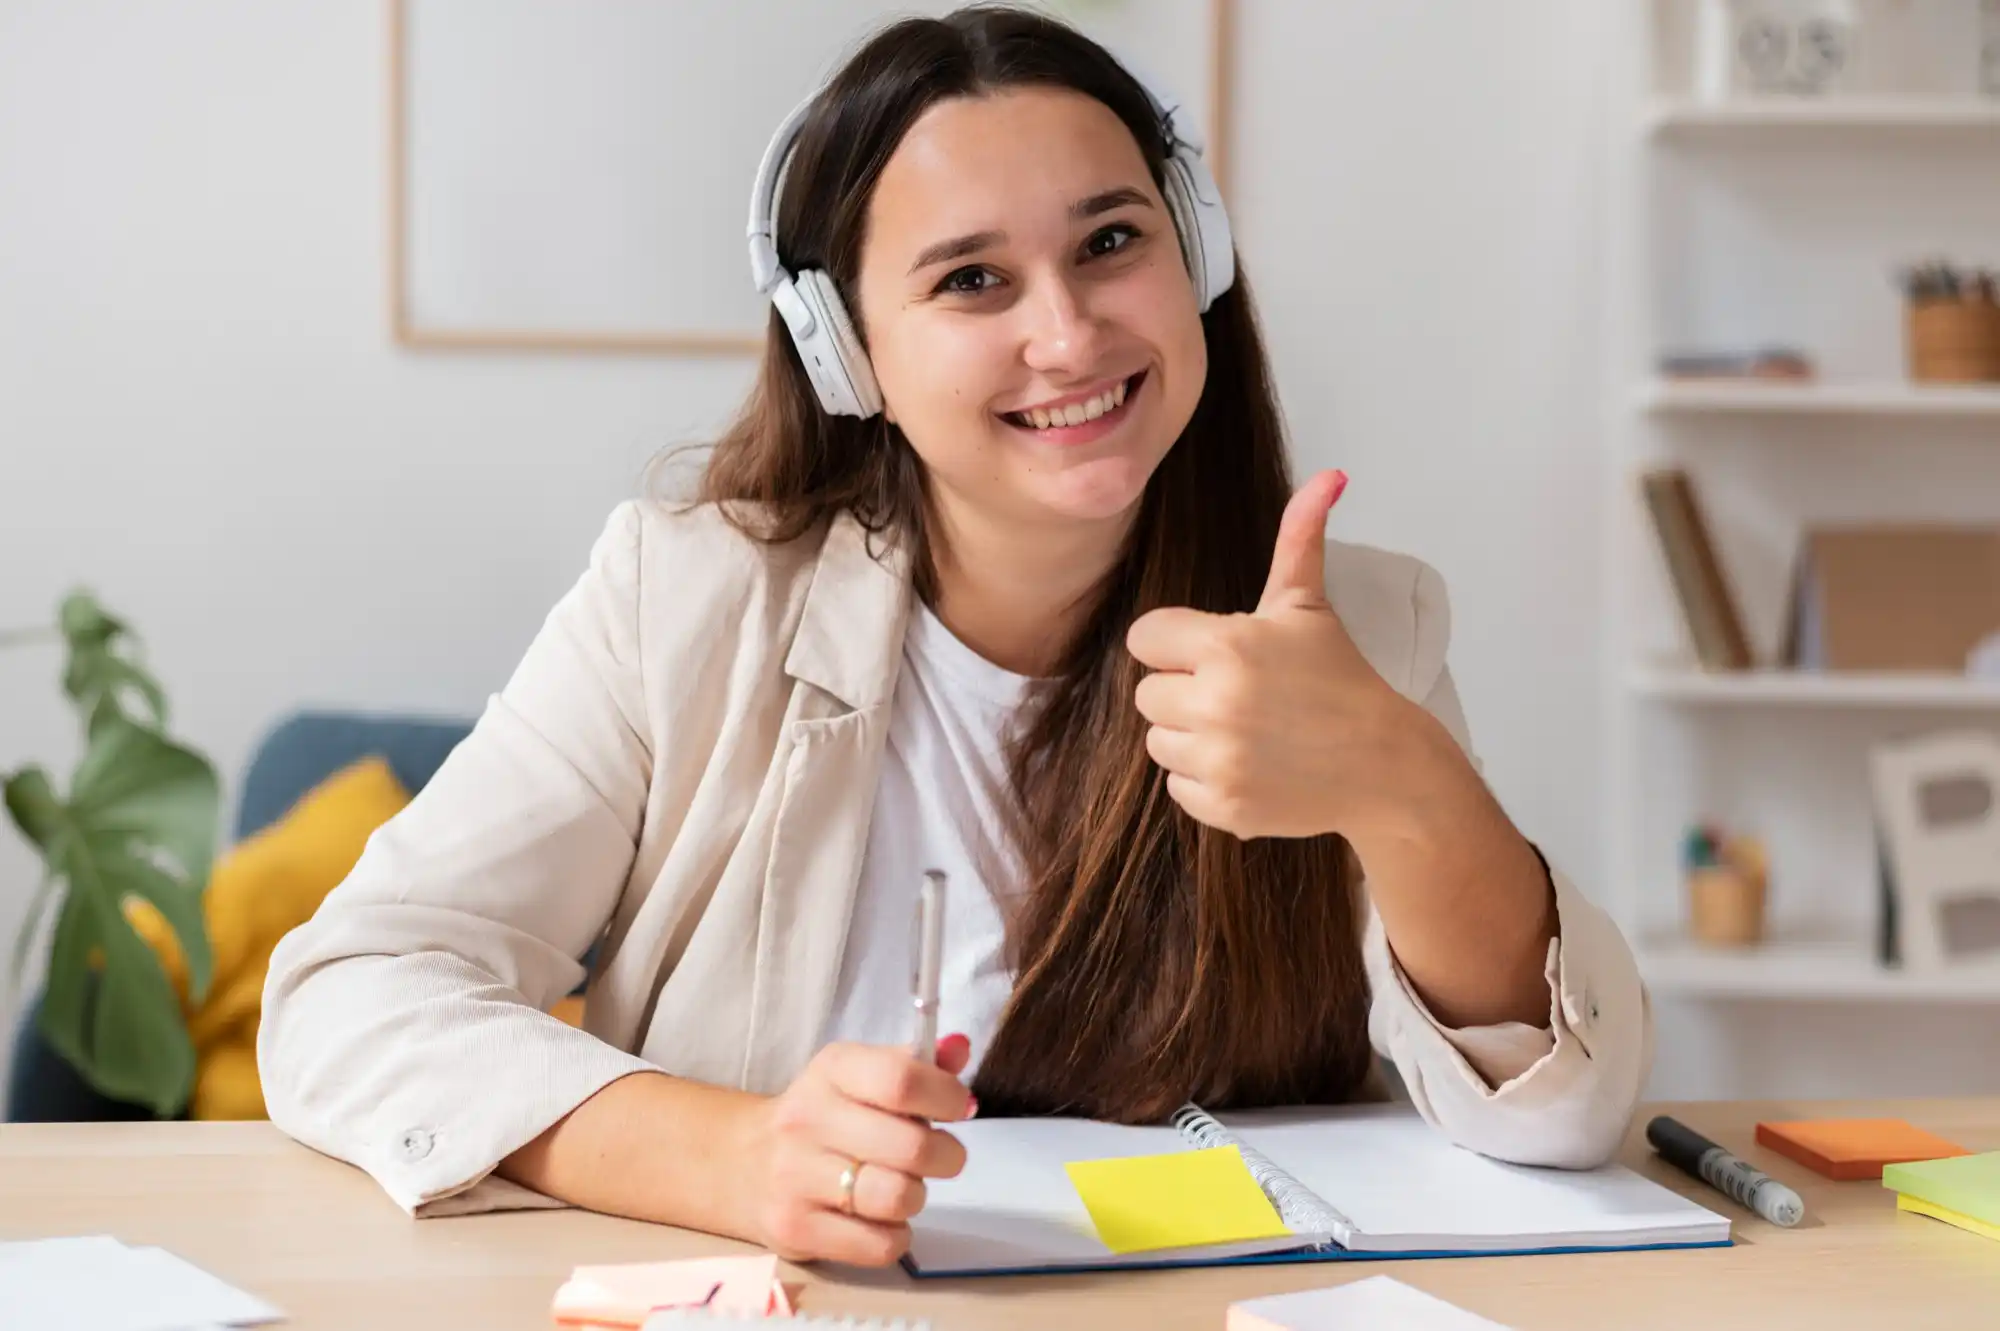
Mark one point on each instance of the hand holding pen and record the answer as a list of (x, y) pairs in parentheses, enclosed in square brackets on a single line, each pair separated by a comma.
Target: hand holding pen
[(850, 1142)]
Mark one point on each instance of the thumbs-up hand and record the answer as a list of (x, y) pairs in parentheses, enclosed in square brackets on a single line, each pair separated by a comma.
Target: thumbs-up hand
[(1272, 723)]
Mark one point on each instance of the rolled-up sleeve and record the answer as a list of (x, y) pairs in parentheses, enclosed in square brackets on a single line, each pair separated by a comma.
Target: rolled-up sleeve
[(1561, 1094), (405, 1026)]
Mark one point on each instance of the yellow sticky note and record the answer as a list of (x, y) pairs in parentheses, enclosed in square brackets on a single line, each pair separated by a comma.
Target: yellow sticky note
[(1143, 1202), (1917, 1206)]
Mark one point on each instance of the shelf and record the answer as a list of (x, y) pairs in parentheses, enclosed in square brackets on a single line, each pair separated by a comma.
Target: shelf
[(1793, 688), (1689, 119), (1811, 970), (1780, 398)]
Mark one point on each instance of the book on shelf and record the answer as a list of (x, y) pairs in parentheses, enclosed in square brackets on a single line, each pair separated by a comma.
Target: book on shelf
[(1893, 597), (1707, 603)]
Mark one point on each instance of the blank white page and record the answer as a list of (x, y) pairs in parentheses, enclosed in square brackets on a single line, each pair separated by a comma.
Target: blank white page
[(99, 1284), (1392, 1174), (1375, 1304)]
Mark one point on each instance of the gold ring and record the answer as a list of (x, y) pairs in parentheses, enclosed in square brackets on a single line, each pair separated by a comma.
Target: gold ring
[(849, 1176)]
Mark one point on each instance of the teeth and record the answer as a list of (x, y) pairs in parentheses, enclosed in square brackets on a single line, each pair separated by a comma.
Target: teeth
[(1076, 413)]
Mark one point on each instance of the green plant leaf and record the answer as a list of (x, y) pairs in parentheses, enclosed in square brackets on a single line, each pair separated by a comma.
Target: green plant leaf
[(66, 990), (136, 785), (34, 805), (18, 960), (101, 667), (181, 906), (139, 1039), (120, 1026), (140, 821)]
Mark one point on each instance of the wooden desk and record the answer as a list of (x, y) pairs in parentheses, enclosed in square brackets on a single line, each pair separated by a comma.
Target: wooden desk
[(319, 1240)]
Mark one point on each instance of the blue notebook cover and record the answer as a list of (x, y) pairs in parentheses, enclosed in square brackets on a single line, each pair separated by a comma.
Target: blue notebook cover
[(1334, 1253)]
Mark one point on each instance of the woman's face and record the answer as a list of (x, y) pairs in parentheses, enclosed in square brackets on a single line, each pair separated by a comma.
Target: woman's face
[(1027, 311)]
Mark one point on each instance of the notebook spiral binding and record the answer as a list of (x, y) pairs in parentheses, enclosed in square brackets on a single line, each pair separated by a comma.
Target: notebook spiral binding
[(1298, 1206), (701, 1319)]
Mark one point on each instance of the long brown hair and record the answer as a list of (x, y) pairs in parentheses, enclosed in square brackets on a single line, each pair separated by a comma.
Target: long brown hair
[(1159, 960)]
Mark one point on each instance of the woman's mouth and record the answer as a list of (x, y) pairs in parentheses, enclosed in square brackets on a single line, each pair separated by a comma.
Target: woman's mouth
[(1079, 422)]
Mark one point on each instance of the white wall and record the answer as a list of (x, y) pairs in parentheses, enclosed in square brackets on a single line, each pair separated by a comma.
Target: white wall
[(203, 418), (201, 415)]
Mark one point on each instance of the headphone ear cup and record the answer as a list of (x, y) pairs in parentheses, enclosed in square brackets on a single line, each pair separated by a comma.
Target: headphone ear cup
[(1203, 224), (851, 375), (1187, 226)]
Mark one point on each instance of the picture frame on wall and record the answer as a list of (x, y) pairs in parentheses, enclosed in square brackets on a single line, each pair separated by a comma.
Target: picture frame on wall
[(550, 190)]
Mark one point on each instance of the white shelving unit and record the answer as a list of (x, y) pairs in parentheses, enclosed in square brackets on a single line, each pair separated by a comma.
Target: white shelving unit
[(1804, 970), (1790, 688), (1673, 118), (1777, 398), (1744, 224)]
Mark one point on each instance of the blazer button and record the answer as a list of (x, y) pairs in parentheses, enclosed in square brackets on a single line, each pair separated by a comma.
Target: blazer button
[(415, 1145)]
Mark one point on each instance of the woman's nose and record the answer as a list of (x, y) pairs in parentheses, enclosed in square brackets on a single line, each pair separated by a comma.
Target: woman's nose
[(1062, 332)]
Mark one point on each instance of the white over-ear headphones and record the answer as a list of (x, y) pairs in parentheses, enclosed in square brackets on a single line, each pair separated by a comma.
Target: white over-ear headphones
[(811, 306)]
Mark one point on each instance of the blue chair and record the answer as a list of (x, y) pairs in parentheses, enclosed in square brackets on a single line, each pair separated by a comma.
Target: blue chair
[(303, 750)]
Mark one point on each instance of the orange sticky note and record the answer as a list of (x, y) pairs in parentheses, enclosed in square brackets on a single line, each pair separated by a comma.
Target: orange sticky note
[(613, 1298), (1854, 1148)]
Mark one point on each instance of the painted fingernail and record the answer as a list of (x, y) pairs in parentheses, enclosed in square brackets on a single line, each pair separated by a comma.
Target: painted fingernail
[(971, 1106)]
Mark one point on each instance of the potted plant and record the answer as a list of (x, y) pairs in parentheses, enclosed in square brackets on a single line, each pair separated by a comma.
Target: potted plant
[(138, 821)]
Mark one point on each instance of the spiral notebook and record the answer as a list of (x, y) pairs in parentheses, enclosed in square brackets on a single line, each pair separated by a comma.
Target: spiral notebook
[(1370, 1182)]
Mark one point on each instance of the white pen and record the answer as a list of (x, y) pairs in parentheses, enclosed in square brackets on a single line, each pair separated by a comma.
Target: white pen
[(926, 961)]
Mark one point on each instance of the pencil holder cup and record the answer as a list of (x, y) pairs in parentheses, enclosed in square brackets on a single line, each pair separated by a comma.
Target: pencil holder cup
[(1726, 906), (1953, 341)]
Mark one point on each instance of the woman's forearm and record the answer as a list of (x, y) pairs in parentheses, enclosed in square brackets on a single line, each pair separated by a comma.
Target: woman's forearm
[(1468, 910), (651, 1147)]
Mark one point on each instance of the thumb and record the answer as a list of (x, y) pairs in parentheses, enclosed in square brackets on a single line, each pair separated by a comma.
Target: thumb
[(1298, 564)]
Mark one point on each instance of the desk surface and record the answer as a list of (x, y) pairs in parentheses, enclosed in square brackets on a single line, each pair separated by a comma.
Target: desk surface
[(319, 1240)]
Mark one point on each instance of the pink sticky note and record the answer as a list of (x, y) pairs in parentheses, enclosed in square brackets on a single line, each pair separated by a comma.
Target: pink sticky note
[(623, 1295)]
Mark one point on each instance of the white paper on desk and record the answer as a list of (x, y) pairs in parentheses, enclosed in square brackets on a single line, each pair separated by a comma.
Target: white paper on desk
[(100, 1284), (1375, 1304)]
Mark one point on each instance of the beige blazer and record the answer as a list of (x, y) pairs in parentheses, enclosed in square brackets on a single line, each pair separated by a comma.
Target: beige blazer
[(682, 770)]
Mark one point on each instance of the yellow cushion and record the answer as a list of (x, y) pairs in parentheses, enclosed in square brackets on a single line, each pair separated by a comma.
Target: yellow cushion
[(261, 890)]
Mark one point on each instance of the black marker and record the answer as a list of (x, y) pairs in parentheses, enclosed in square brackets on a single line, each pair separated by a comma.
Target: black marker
[(1687, 1150)]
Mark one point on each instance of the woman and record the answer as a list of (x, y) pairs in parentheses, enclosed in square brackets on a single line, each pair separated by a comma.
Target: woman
[(1046, 620)]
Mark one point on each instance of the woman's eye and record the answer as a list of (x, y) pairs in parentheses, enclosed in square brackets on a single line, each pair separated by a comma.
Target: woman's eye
[(1110, 240), (967, 281)]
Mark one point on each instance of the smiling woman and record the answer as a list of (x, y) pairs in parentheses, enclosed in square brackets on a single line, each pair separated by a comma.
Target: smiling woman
[(999, 572)]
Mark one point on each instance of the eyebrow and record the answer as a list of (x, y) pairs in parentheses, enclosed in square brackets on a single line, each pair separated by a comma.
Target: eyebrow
[(959, 247)]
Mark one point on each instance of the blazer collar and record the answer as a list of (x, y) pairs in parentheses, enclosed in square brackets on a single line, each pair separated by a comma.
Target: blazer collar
[(850, 636)]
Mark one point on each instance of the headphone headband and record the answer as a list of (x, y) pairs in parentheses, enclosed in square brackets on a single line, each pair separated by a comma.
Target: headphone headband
[(810, 304), (765, 268)]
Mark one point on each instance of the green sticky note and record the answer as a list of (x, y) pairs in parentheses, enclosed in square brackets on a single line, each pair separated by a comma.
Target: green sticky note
[(1143, 1202), (1967, 1184)]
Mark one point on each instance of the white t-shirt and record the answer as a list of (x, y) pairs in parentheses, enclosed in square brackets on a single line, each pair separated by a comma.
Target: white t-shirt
[(939, 806)]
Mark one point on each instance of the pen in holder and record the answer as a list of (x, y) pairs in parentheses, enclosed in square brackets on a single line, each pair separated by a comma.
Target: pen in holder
[(1727, 880), (1952, 324)]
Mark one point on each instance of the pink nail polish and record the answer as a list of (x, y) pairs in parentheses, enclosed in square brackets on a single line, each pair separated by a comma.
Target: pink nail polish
[(972, 1106)]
